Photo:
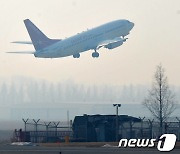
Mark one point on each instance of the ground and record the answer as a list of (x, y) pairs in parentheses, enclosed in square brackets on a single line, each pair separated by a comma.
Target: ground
[(76, 149)]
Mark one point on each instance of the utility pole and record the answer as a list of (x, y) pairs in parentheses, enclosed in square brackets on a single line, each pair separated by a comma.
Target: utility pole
[(117, 120)]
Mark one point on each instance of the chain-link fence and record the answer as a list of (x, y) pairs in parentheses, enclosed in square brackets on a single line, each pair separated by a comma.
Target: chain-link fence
[(40, 131), (149, 128)]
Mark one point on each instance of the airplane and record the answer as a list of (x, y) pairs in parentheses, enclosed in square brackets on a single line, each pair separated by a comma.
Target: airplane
[(110, 35)]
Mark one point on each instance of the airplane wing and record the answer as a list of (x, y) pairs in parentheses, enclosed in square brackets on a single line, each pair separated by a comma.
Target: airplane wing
[(110, 44), (22, 42), (22, 52)]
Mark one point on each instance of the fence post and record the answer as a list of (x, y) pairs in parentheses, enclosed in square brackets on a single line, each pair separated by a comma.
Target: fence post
[(56, 126), (131, 123), (151, 127), (178, 119), (47, 129), (25, 124), (142, 135), (36, 125)]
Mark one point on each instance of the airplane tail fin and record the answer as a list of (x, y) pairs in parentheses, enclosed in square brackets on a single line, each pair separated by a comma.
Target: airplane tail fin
[(38, 38)]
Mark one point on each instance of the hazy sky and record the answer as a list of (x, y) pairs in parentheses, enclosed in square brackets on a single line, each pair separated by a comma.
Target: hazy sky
[(155, 39)]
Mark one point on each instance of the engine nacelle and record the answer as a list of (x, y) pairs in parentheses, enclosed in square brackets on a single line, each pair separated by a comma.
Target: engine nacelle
[(114, 45)]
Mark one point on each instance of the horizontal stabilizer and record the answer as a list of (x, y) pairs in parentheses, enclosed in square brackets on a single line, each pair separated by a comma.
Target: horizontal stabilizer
[(22, 52), (22, 42)]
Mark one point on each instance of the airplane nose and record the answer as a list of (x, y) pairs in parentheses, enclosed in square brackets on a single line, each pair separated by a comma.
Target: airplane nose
[(35, 54), (132, 24)]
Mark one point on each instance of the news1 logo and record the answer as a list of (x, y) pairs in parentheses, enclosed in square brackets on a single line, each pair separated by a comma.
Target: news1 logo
[(166, 142)]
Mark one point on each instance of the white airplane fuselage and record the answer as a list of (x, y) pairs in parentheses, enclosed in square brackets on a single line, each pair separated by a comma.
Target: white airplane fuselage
[(87, 40)]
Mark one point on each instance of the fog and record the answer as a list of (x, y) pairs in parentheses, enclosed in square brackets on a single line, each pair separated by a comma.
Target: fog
[(23, 90), (24, 97)]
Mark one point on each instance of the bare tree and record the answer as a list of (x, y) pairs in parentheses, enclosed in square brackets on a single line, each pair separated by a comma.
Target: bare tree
[(160, 100)]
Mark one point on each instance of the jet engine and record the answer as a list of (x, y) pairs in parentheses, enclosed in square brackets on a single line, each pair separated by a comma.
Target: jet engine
[(114, 45)]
